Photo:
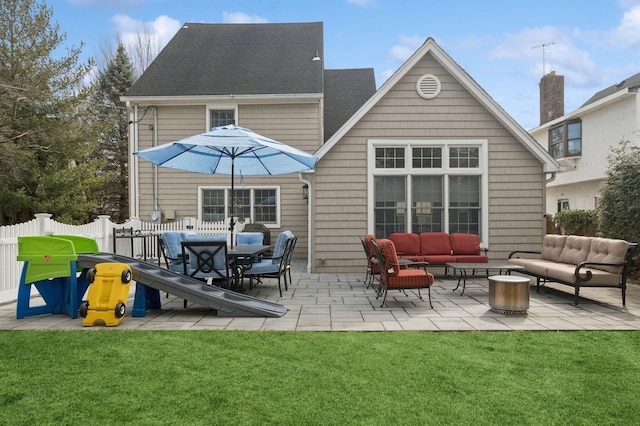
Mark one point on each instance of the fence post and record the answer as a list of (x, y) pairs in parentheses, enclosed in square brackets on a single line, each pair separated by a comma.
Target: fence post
[(43, 223), (106, 232)]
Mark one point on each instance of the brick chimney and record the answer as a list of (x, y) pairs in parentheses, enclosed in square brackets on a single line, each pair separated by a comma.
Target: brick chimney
[(551, 97)]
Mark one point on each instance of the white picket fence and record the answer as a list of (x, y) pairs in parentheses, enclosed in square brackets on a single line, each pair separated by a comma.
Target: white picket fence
[(133, 238)]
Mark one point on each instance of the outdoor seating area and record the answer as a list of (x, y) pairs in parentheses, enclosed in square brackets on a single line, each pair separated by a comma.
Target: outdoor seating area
[(342, 302), (346, 301), (211, 259)]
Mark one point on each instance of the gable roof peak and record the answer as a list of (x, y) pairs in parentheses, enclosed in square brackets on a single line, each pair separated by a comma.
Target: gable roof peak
[(432, 47)]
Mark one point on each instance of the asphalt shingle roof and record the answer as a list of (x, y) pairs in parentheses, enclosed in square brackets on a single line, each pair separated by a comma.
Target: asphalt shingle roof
[(631, 82), (238, 59), (344, 92)]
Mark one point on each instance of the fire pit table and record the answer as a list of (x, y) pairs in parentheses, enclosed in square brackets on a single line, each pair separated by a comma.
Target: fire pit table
[(509, 294)]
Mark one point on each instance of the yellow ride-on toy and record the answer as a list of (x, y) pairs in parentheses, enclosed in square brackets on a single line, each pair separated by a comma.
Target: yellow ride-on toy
[(109, 285)]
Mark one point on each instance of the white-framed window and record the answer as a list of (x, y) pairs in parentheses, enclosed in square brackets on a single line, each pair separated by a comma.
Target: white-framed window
[(221, 115), (563, 204), (260, 203), (428, 186)]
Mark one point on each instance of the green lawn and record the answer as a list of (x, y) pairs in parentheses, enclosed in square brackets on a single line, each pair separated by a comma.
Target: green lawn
[(103, 377)]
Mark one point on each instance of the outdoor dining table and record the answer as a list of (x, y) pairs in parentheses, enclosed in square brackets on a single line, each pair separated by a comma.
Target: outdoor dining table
[(242, 256)]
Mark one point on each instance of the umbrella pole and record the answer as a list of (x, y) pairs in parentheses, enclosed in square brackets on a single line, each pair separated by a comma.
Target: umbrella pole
[(231, 220)]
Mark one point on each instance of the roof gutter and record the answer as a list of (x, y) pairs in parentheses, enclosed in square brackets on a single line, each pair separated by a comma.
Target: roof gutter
[(614, 97), (200, 99)]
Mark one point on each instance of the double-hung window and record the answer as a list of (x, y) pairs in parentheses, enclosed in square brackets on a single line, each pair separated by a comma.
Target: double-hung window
[(261, 204), (221, 117), (428, 186)]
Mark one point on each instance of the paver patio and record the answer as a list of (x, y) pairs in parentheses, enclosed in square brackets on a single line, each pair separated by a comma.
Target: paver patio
[(341, 302)]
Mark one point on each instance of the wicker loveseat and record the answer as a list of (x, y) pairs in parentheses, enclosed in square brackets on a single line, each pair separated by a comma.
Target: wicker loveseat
[(439, 248), (578, 261)]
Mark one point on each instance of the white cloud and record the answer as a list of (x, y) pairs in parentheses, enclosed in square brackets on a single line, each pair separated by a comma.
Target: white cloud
[(242, 18), (552, 49), (385, 75), (406, 47), (162, 29), (362, 3), (627, 34)]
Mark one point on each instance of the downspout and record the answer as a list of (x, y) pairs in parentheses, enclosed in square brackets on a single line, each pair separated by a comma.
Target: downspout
[(551, 178), (309, 210), (155, 168), (134, 202)]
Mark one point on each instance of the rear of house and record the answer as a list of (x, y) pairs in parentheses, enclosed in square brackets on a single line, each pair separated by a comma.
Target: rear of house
[(430, 151)]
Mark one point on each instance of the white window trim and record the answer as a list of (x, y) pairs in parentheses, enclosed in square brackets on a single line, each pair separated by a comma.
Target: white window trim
[(482, 170), (216, 107), (253, 187)]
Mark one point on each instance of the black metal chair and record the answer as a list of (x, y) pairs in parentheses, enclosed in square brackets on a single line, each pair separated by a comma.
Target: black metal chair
[(275, 266), (288, 259), (208, 260)]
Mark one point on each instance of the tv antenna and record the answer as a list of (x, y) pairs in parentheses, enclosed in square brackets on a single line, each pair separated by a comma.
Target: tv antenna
[(543, 46)]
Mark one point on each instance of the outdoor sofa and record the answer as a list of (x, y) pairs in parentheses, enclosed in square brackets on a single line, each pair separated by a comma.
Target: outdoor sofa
[(439, 248), (578, 261)]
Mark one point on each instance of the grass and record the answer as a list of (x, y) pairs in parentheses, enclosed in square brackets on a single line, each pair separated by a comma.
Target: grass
[(106, 377)]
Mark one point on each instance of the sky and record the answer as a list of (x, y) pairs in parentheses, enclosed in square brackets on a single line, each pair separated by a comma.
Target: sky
[(506, 46)]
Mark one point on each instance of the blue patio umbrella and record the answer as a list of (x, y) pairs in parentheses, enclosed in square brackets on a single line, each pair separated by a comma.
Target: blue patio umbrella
[(228, 149)]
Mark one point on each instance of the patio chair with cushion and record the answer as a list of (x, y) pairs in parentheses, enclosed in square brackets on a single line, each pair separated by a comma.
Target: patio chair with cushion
[(373, 266), (171, 249), (208, 260), (276, 265), (394, 275), (250, 239)]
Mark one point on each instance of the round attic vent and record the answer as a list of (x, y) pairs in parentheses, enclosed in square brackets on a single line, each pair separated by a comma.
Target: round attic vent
[(428, 86)]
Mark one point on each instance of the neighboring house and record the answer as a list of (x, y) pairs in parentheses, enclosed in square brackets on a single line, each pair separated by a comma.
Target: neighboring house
[(582, 140), (429, 151)]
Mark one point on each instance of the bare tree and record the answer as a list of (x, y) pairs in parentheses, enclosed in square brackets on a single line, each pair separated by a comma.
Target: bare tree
[(144, 49)]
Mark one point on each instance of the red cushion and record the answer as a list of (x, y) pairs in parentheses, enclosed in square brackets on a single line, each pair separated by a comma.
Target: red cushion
[(406, 243), (395, 277), (465, 243), (434, 243), (411, 278), (440, 259), (388, 251)]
